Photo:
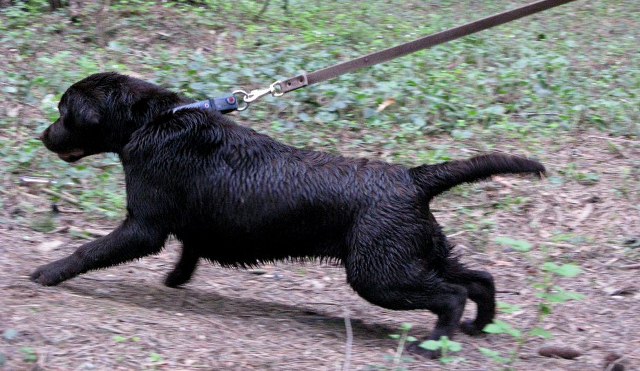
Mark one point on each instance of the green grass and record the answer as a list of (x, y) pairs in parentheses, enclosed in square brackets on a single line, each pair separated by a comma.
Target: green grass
[(571, 68)]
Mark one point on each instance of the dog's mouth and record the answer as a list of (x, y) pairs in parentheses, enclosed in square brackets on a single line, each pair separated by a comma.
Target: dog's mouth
[(72, 155)]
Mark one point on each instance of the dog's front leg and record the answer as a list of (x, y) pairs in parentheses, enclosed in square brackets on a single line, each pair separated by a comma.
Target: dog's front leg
[(131, 240)]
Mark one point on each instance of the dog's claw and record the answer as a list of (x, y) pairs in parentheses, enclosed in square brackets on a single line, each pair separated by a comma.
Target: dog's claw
[(175, 279), (469, 327)]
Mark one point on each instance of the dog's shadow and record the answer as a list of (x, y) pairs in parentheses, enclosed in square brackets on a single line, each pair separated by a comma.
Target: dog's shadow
[(209, 303)]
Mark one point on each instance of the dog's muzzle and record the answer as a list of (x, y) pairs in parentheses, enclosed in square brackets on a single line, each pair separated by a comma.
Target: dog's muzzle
[(68, 155)]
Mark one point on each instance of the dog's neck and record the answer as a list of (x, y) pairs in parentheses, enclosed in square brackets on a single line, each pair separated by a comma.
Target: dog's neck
[(153, 105), (145, 108)]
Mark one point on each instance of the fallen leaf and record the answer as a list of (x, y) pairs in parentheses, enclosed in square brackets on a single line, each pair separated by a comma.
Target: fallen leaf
[(559, 351), (502, 263), (47, 246), (385, 104)]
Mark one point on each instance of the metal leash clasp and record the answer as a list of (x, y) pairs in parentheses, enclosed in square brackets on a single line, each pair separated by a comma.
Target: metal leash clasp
[(244, 98)]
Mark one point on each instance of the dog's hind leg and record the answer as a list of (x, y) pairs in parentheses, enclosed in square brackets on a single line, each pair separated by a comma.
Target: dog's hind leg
[(131, 240), (398, 283), (446, 300), (184, 268), (481, 289)]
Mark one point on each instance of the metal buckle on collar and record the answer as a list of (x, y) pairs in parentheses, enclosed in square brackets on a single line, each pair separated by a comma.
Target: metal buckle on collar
[(274, 89), (222, 105)]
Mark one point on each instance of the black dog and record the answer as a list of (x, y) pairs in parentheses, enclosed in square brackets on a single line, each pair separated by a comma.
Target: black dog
[(240, 198)]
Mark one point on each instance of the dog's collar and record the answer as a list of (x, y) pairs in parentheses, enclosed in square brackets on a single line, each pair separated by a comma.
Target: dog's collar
[(222, 105)]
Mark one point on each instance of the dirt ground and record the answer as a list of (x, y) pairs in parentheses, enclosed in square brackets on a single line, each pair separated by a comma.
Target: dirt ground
[(292, 316)]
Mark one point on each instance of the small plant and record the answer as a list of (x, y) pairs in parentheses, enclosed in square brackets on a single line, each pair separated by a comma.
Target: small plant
[(155, 358), (446, 347), (398, 359), (123, 339), (29, 355), (549, 293)]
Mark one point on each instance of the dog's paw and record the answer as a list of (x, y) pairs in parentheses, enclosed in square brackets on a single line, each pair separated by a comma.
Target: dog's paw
[(470, 328), (48, 275), (414, 348), (176, 279)]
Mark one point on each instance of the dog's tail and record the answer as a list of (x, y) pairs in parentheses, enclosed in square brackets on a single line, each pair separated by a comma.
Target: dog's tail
[(435, 179)]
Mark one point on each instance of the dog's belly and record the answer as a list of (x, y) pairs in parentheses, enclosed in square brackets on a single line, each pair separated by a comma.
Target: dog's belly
[(248, 227), (250, 245)]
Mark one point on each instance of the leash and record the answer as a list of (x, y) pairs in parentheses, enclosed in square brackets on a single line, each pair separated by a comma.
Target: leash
[(240, 100)]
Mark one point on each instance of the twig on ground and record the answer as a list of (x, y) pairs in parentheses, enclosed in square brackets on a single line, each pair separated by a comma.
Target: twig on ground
[(530, 114), (559, 244), (114, 279), (90, 231), (630, 266), (110, 329), (62, 196), (456, 234), (349, 343), (469, 206), (615, 139), (584, 214), (610, 262), (398, 356)]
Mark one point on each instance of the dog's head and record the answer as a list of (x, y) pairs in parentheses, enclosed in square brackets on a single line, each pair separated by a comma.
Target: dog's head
[(100, 113)]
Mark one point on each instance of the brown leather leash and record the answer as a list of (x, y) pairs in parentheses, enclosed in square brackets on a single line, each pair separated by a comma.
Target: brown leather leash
[(279, 88)]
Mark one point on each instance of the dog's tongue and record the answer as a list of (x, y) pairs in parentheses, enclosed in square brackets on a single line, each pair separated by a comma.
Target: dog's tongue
[(72, 156)]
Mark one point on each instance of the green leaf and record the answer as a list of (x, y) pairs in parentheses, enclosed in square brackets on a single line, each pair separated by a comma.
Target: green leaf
[(562, 296), (411, 339), (488, 352), (155, 357), (518, 245), (430, 345), (494, 110), (119, 339), (544, 309), (406, 327), (493, 355), (508, 308), (447, 360), (541, 333), (29, 355), (454, 346), (501, 327), (492, 328), (394, 336), (565, 270)]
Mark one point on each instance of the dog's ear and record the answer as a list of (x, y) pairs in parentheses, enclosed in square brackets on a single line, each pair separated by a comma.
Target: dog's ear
[(85, 116)]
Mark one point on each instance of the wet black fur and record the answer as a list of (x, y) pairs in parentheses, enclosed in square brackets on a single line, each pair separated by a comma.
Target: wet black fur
[(240, 198)]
